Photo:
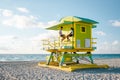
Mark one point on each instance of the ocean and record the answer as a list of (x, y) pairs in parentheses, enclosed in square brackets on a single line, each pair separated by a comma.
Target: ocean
[(39, 57)]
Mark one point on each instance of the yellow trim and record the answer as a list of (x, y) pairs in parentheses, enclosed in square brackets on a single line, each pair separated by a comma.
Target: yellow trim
[(94, 42), (70, 68), (94, 38), (71, 50), (91, 36), (75, 35), (83, 23)]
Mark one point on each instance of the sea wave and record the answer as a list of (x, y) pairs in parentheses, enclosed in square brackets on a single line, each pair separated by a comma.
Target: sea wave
[(39, 57)]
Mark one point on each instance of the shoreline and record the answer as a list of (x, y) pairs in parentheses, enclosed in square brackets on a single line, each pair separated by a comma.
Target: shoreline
[(29, 70)]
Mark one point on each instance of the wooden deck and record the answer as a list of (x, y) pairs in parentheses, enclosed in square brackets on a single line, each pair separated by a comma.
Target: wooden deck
[(70, 50), (73, 67)]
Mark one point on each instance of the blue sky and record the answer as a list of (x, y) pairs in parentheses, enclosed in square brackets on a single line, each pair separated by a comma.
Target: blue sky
[(22, 22)]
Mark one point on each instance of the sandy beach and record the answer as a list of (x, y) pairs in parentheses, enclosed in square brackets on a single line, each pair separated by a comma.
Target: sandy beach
[(29, 70)]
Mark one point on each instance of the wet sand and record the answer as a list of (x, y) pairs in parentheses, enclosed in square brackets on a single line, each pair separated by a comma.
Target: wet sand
[(29, 70)]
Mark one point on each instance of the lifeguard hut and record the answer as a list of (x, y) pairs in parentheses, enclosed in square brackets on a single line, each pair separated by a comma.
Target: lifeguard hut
[(76, 53)]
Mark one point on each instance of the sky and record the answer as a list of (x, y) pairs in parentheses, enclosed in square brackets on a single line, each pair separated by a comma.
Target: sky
[(23, 23)]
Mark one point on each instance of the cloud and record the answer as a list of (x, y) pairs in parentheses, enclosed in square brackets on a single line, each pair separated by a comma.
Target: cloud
[(108, 47), (38, 43), (7, 37), (46, 35), (115, 23), (7, 43), (115, 42), (2, 48), (21, 21), (47, 24), (51, 23), (6, 13), (24, 10), (100, 33), (14, 44)]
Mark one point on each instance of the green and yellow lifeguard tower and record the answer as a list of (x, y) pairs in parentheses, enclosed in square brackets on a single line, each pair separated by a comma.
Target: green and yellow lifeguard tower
[(73, 54)]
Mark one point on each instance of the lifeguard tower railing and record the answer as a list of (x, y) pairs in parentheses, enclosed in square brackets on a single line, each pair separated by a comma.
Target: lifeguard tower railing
[(56, 43)]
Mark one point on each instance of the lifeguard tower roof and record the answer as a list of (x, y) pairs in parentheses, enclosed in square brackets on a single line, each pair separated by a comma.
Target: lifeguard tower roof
[(77, 19), (70, 20)]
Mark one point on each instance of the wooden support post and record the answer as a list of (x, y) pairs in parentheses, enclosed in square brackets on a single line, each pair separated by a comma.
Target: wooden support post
[(62, 59), (76, 57), (90, 56), (51, 55)]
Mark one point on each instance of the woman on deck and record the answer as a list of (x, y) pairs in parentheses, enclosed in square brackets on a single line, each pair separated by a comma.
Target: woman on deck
[(70, 34)]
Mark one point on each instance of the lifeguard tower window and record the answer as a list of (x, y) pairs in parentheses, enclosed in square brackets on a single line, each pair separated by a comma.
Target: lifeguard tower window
[(82, 29)]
